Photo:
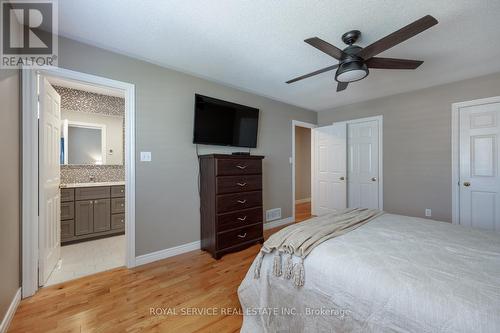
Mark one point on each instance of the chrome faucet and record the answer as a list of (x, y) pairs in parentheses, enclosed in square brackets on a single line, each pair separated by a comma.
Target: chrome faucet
[(92, 179)]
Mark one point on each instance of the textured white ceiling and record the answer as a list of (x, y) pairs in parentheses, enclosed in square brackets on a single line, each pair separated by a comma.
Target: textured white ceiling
[(257, 45)]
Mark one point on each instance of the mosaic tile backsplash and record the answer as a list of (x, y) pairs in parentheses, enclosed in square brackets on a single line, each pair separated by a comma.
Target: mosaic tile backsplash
[(79, 100), (71, 174), (83, 101)]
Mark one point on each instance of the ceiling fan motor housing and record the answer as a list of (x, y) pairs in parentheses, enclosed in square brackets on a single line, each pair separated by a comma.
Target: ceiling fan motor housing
[(351, 67)]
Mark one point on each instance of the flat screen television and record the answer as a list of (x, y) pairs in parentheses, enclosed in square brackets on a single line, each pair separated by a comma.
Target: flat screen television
[(222, 123)]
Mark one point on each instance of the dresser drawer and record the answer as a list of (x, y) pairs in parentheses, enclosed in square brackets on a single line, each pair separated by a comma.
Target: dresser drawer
[(90, 193), (231, 184), (117, 221), (67, 194), (236, 237), (238, 201), (118, 191), (117, 205), (239, 219), (238, 167), (67, 210)]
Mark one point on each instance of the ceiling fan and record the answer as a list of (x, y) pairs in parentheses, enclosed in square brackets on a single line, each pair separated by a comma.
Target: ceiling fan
[(354, 60)]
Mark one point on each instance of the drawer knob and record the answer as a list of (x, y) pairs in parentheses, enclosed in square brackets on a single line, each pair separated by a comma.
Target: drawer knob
[(122, 205), (242, 201), (241, 184), (242, 218), (241, 167), (242, 236), (121, 221), (121, 191)]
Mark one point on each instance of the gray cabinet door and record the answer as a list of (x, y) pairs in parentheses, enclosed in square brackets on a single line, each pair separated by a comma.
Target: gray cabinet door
[(67, 230), (102, 215), (67, 194), (117, 221), (84, 217), (88, 193), (67, 210), (117, 191), (118, 205)]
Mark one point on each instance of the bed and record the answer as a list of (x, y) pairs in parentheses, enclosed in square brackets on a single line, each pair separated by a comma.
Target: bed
[(393, 274)]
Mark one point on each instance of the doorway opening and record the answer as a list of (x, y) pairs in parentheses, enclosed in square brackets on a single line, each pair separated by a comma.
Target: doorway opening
[(78, 176), (301, 170)]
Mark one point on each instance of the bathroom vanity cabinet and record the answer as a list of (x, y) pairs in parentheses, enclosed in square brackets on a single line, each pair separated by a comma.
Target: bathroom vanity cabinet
[(92, 212)]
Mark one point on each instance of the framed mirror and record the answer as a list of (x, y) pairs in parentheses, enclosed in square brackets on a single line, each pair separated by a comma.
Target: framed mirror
[(91, 139)]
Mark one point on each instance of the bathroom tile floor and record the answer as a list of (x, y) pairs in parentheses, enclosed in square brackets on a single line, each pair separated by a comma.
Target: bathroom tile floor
[(88, 258)]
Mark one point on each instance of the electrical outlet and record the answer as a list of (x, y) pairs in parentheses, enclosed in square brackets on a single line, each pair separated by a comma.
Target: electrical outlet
[(273, 214), (145, 156), (428, 212)]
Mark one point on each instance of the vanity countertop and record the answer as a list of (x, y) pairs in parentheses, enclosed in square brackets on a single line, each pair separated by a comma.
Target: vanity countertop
[(92, 184)]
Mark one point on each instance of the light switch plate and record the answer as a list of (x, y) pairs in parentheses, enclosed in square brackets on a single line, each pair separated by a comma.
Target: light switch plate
[(428, 212), (145, 156)]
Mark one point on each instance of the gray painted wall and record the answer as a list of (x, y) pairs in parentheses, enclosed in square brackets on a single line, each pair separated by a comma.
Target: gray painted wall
[(9, 189), (167, 203), (417, 142), (302, 163)]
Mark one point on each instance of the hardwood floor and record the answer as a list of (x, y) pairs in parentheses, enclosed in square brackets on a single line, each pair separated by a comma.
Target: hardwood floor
[(122, 300), (302, 211)]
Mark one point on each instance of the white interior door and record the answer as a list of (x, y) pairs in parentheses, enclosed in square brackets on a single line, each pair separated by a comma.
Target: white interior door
[(329, 169), (49, 231), (479, 166), (362, 164)]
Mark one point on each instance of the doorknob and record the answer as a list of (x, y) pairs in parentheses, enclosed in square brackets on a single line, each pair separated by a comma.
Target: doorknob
[(342, 178), (374, 179), (466, 184)]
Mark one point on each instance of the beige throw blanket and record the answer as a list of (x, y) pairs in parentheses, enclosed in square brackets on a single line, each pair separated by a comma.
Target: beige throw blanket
[(300, 239)]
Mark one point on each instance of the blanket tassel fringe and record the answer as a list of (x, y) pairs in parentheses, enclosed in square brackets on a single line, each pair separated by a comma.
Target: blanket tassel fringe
[(288, 267), (298, 273), (277, 264), (258, 264)]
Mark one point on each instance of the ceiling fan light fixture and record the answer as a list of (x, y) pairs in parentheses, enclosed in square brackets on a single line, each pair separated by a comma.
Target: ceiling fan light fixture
[(351, 71)]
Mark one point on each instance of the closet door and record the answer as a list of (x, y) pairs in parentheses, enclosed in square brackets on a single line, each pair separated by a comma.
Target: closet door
[(363, 164), (329, 168), (480, 166)]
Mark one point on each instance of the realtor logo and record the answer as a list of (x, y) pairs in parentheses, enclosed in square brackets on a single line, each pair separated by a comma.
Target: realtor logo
[(29, 35)]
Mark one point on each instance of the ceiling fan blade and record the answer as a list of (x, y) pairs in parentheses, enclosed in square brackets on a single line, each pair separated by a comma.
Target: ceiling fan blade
[(325, 47), (391, 63), (319, 71), (397, 37), (342, 86)]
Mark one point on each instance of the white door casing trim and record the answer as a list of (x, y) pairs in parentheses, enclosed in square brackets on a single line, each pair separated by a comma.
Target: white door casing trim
[(296, 123), (30, 167), (380, 120), (455, 151)]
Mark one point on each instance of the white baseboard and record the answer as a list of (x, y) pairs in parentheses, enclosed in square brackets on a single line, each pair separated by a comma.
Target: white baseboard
[(173, 251), (278, 223), (162, 254), (4, 326), (302, 200)]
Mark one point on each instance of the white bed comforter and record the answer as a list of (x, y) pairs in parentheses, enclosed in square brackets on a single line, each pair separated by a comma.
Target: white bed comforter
[(394, 274)]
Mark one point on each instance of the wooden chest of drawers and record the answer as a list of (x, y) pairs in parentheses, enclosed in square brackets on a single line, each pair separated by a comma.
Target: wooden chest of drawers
[(231, 202)]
